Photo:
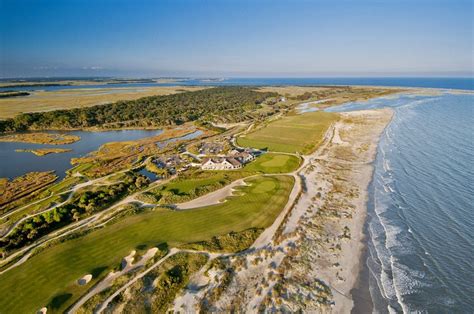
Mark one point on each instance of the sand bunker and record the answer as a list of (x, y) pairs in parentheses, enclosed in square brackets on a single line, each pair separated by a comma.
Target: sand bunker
[(127, 261), (213, 198), (84, 280)]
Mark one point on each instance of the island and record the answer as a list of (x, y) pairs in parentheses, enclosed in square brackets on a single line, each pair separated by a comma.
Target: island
[(10, 94), (41, 138), (220, 211), (44, 151)]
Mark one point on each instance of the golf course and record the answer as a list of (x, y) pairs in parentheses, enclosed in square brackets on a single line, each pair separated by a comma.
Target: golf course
[(51, 275), (292, 133)]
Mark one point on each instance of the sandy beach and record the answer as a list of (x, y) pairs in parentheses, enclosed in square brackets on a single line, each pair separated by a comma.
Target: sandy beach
[(312, 260)]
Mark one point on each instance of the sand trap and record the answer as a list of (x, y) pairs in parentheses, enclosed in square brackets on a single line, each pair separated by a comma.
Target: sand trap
[(127, 261), (213, 198), (84, 280), (150, 253), (42, 310)]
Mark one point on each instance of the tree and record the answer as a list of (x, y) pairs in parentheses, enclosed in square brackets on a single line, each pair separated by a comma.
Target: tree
[(32, 234)]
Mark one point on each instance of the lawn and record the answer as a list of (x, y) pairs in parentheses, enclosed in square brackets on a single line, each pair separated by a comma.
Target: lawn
[(191, 185), (273, 163), (53, 272), (290, 134)]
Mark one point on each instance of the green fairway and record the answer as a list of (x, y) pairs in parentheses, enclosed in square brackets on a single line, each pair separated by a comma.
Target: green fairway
[(273, 163), (191, 185), (53, 272), (296, 133)]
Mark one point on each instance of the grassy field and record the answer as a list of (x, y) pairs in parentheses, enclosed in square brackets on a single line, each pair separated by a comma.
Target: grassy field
[(293, 133), (53, 272), (74, 98), (273, 163)]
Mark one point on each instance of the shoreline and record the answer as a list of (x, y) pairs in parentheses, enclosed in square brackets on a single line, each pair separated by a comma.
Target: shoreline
[(350, 284), (318, 252), (360, 291)]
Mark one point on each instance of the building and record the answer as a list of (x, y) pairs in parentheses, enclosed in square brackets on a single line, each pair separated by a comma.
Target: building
[(221, 163), (211, 148), (245, 157)]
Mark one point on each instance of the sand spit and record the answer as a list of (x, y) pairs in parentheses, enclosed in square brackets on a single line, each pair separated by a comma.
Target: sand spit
[(310, 261)]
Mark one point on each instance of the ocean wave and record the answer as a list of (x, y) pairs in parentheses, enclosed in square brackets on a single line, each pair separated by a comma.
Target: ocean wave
[(420, 214)]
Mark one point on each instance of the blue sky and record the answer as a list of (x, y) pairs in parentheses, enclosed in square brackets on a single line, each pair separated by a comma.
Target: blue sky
[(259, 38)]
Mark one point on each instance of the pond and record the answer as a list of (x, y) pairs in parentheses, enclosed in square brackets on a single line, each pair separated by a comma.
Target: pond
[(150, 175), (13, 164), (189, 136)]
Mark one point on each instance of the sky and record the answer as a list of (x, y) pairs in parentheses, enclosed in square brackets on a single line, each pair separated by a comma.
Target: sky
[(236, 38)]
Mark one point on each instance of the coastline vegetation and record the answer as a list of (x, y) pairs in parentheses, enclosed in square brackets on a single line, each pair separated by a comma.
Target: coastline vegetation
[(156, 291), (220, 103), (41, 138), (41, 100), (11, 93), (116, 156), (44, 151), (23, 186)]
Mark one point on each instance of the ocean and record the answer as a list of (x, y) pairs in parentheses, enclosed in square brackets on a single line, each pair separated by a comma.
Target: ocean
[(421, 207), (426, 82)]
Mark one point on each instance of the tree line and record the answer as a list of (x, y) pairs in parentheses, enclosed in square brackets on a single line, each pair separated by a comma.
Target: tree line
[(228, 103)]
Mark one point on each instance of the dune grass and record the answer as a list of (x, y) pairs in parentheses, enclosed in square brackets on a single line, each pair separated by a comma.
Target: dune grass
[(292, 133), (52, 274)]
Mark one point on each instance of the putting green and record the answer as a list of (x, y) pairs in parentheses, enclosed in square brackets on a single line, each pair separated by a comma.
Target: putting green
[(274, 163)]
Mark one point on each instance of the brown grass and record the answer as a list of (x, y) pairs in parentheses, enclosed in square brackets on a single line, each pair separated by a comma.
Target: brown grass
[(23, 186), (74, 98), (41, 138)]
